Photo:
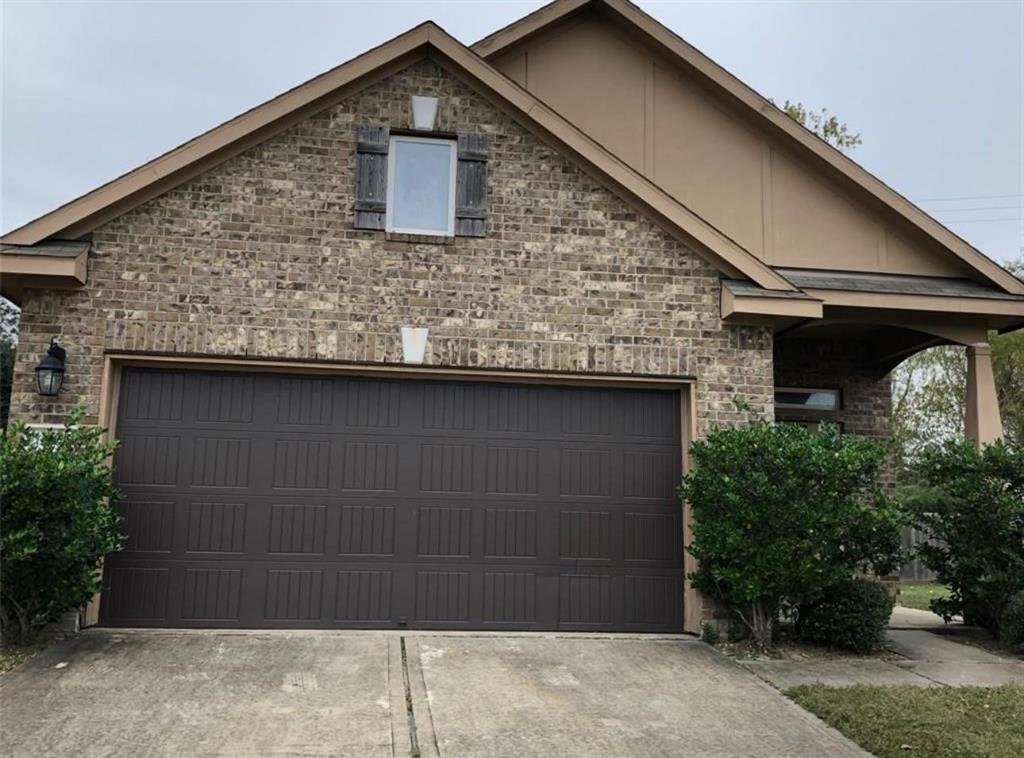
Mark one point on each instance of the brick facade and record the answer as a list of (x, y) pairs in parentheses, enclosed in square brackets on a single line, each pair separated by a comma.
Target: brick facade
[(258, 258), (844, 365), (866, 404)]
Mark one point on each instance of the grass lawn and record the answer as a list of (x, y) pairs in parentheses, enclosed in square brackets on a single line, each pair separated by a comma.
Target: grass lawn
[(917, 594), (922, 721)]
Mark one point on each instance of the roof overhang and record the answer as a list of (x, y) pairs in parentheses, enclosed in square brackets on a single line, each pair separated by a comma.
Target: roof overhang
[(108, 201), (934, 303), (767, 113), (51, 265), (744, 302), (84, 214), (922, 303)]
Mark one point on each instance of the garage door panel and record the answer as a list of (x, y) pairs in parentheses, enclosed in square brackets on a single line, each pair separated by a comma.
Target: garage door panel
[(449, 406), (585, 600), (136, 595), (585, 535), (225, 398), (366, 530), (650, 474), (221, 462), (301, 464), (304, 401), (372, 404), (443, 597), (510, 532), (509, 598), (512, 410), (587, 413), (328, 594), (652, 601), (369, 466), (217, 528), (645, 419), (364, 596), (447, 468), (154, 396), (211, 594), (147, 524), (147, 460), (260, 500), (652, 537)]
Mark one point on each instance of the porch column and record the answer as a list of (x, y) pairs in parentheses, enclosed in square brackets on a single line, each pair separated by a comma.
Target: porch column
[(981, 422)]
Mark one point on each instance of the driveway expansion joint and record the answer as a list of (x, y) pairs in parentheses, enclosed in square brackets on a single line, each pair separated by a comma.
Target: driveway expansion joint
[(414, 744)]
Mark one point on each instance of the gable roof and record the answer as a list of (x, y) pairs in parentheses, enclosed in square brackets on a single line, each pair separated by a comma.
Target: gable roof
[(169, 170), (769, 114)]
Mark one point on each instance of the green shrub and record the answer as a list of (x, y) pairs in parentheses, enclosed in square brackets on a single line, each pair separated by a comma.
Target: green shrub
[(1012, 629), (7, 354), (709, 633), (781, 513), (56, 523), (972, 504), (852, 615)]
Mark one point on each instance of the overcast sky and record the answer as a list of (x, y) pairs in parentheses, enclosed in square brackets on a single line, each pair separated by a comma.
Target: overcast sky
[(936, 89)]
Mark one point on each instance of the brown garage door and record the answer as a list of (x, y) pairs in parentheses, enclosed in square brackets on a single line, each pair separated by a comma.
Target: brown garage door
[(265, 500)]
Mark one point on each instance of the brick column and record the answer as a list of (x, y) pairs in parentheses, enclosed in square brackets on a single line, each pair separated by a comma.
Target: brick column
[(981, 422)]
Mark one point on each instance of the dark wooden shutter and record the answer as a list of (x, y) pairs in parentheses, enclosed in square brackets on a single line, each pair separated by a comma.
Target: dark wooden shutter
[(471, 186), (371, 176)]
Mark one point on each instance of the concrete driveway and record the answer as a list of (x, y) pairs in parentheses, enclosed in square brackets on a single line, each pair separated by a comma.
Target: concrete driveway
[(371, 694)]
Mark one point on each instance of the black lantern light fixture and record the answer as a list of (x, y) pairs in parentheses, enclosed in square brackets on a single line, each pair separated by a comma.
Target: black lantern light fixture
[(50, 371)]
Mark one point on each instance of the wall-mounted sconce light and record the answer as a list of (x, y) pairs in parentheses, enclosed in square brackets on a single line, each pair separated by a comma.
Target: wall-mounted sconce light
[(424, 112), (50, 371), (414, 344)]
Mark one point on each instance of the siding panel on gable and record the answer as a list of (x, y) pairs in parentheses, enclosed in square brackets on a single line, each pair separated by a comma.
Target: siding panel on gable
[(769, 195)]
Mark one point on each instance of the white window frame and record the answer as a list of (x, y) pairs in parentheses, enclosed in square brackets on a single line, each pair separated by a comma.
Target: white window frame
[(388, 216)]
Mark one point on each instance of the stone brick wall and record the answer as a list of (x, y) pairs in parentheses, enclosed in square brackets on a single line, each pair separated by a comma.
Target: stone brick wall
[(258, 258), (866, 397)]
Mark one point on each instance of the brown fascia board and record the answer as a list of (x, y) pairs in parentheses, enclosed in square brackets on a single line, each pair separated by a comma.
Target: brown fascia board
[(527, 26), (735, 305), (81, 215), (19, 270), (87, 212), (741, 300), (627, 182), (935, 303), (770, 115), (30, 264)]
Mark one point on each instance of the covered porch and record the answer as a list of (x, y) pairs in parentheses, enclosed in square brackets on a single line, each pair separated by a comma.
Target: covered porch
[(836, 342)]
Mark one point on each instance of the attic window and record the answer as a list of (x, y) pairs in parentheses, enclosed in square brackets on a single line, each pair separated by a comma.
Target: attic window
[(421, 186)]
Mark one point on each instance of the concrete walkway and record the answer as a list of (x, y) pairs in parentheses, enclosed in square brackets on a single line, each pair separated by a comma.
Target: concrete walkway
[(912, 618), (921, 657)]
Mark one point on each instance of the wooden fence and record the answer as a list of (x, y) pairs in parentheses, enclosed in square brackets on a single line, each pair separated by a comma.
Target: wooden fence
[(915, 570)]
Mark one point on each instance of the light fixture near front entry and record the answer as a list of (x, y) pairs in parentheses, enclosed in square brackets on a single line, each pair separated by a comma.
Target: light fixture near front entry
[(51, 369)]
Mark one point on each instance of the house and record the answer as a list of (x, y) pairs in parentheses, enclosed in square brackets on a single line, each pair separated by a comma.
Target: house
[(597, 284)]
